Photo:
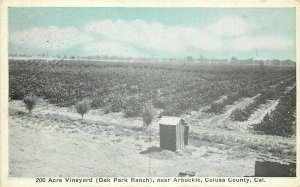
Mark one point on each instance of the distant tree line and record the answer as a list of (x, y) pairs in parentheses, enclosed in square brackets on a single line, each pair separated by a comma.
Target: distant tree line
[(188, 59)]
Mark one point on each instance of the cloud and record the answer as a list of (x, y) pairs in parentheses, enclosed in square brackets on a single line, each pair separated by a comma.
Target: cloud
[(110, 49), (270, 42), (154, 35), (228, 33), (231, 26), (50, 38), (130, 38)]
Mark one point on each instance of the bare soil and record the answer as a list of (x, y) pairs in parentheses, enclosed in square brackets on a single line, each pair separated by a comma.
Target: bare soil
[(55, 141)]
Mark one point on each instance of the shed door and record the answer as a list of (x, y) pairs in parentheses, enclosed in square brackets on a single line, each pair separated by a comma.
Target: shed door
[(179, 136)]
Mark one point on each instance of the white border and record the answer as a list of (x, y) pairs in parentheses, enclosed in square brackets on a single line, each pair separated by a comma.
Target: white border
[(5, 182)]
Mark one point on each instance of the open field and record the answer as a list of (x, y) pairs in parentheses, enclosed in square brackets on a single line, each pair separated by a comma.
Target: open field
[(235, 113)]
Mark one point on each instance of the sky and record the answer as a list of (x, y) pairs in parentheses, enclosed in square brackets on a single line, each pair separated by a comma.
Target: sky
[(220, 33)]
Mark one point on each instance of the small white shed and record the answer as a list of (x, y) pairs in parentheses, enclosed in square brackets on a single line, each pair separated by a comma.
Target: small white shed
[(173, 133)]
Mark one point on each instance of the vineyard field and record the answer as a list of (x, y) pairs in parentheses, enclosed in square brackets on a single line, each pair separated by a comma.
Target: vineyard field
[(174, 88), (235, 112)]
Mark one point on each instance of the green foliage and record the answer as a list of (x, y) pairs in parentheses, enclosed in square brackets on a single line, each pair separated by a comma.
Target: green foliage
[(160, 103), (30, 101), (114, 104), (246, 93), (17, 94), (133, 107), (272, 93), (134, 89), (110, 86), (239, 115), (232, 98), (219, 108), (281, 121), (83, 107), (216, 108)]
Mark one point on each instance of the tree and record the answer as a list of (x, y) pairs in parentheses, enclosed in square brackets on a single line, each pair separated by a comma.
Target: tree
[(30, 101), (83, 107), (147, 114), (276, 62), (234, 59), (189, 59)]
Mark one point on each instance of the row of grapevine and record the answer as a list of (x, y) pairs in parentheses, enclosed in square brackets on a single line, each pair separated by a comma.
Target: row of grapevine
[(269, 93), (127, 87), (282, 120)]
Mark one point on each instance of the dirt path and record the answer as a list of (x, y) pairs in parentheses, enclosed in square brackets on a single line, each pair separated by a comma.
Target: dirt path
[(212, 121), (50, 143), (54, 141), (220, 129)]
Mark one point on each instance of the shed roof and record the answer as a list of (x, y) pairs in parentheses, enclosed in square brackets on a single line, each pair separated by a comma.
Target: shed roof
[(169, 120)]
